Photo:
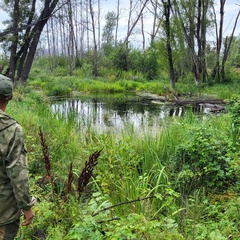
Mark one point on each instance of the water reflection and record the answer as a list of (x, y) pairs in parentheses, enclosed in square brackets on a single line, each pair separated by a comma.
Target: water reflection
[(115, 113)]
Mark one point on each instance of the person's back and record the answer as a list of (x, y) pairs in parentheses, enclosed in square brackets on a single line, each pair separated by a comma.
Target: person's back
[(14, 187), (9, 130)]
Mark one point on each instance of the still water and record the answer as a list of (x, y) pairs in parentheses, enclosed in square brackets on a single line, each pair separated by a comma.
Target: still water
[(116, 112)]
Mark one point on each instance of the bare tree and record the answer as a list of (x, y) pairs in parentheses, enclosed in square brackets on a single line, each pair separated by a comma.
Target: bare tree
[(71, 38), (143, 33), (99, 24), (15, 36), (132, 23), (95, 58), (23, 52), (192, 17), (117, 22), (87, 24), (156, 19), (166, 11), (218, 71), (227, 45)]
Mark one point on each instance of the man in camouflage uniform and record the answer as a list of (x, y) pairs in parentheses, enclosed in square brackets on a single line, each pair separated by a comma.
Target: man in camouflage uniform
[(14, 187)]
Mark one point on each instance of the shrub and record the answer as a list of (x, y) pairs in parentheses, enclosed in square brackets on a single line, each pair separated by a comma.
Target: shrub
[(203, 162)]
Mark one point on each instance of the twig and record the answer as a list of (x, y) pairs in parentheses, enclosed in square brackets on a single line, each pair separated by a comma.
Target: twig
[(122, 203), (171, 92), (108, 220)]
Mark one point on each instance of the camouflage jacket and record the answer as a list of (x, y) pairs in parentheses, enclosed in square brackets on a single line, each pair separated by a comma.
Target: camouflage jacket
[(14, 187)]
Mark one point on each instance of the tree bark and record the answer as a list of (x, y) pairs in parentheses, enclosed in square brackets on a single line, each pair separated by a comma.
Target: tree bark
[(166, 10), (27, 38), (117, 22), (36, 33), (227, 48), (143, 34), (71, 38), (219, 33), (156, 20), (13, 56), (95, 58), (194, 28), (131, 26)]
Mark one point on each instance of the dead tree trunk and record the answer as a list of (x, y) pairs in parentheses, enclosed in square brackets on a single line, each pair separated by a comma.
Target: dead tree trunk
[(166, 10), (95, 58), (35, 36)]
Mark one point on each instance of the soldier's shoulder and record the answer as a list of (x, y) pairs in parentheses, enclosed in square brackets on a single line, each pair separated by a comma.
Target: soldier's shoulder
[(8, 122)]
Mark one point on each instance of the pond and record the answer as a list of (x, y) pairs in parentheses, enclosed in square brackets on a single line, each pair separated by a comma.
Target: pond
[(117, 112)]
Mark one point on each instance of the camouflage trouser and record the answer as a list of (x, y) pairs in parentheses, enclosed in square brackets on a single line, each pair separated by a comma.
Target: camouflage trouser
[(9, 231)]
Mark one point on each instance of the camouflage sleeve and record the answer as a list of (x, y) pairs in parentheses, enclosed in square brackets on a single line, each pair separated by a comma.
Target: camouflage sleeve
[(16, 168)]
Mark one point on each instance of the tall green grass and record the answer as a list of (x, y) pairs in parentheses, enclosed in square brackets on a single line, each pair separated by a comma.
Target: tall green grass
[(58, 82), (135, 176), (33, 112)]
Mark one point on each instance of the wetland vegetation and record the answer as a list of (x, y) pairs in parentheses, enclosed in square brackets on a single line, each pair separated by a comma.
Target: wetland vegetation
[(180, 183), (118, 180)]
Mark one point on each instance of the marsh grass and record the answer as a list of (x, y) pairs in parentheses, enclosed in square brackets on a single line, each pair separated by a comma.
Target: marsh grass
[(65, 85), (32, 112), (132, 166), (224, 91)]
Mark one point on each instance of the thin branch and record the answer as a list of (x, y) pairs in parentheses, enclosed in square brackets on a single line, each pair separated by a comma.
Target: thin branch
[(122, 203), (20, 29)]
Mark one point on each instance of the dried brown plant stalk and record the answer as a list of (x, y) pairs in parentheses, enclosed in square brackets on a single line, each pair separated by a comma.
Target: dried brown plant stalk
[(70, 179), (87, 172)]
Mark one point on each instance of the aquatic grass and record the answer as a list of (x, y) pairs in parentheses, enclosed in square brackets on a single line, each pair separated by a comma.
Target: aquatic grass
[(132, 166), (223, 91), (58, 83), (137, 186), (33, 112), (60, 86), (99, 87), (130, 85), (131, 179), (188, 89), (68, 85), (156, 87)]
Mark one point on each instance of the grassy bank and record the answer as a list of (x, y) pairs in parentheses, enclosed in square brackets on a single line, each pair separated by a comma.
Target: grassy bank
[(57, 84), (182, 183)]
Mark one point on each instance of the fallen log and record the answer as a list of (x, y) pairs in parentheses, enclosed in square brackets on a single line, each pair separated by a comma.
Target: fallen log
[(215, 105), (182, 102)]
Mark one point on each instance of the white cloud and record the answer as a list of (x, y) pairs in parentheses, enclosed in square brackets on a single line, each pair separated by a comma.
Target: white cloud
[(3, 16)]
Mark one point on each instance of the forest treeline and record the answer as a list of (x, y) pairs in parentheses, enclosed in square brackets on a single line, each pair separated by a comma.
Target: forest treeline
[(187, 40)]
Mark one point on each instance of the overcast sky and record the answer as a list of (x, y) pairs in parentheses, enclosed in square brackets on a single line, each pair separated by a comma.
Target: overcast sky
[(231, 9)]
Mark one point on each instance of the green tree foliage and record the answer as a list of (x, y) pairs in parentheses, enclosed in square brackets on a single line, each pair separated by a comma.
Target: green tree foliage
[(152, 67), (107, 35), (121, 58)]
